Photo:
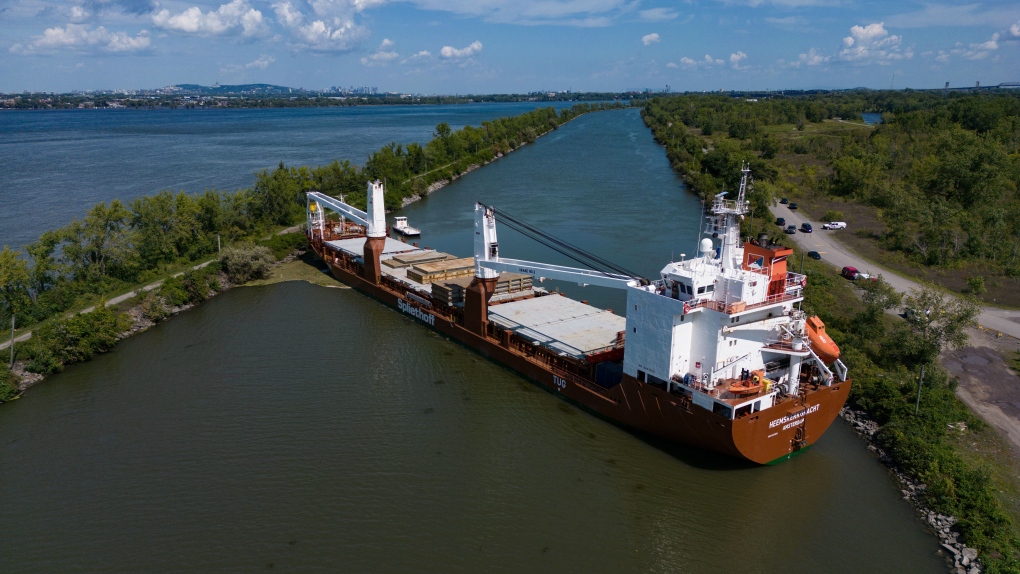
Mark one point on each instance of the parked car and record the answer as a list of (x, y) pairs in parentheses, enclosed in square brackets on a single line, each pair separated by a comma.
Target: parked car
[(834, 225), (791, 229), (805, 227), (784, 201), (853, 274), (781, 221), (793, 206), (814, 255)]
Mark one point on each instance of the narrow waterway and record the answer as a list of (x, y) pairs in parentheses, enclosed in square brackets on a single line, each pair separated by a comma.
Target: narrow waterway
[(300, 428)]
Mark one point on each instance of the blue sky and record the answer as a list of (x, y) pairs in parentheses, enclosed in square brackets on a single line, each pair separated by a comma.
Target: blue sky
[(489, 46)]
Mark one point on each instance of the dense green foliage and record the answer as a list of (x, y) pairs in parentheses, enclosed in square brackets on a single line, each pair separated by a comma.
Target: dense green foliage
[(942, 168), (8, 384), (117, 246), (72, 340), (246, 262)]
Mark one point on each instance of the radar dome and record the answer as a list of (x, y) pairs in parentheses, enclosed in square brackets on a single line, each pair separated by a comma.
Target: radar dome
[(706, 245)]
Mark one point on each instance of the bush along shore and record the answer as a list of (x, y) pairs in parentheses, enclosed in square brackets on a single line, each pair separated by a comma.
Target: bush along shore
[(119, 246), (77, 338), (964, 559)]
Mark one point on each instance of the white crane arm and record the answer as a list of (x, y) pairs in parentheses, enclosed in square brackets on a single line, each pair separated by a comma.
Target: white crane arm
[(352, 213), (547, 271)]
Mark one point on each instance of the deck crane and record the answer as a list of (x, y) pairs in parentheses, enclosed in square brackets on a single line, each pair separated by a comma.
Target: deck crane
[(374, 220), (488, 263)]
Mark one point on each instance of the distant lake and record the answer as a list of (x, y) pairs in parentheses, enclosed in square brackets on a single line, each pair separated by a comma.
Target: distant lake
[(54, 165), (872, 119)]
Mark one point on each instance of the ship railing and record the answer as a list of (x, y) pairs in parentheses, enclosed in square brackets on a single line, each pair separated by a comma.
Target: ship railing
[(795, 280)]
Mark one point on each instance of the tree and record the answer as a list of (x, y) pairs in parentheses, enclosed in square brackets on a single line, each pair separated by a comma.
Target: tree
[(937, 322), (14, 282), (878, 298)]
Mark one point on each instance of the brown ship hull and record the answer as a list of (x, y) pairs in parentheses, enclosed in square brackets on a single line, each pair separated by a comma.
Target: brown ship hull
[(765, 437)]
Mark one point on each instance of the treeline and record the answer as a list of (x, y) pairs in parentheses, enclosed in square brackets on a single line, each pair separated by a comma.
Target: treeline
[(943, 168), (119, 245)]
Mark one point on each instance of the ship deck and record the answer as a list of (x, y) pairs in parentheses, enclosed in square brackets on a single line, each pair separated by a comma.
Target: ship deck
[(355, 247), (566, 326)]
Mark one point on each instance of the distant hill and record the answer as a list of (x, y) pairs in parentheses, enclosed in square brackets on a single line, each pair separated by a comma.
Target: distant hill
[(218, 90)]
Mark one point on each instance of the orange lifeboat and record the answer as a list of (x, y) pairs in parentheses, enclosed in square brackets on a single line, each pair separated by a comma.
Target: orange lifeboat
[(749, 386), (821, 343)]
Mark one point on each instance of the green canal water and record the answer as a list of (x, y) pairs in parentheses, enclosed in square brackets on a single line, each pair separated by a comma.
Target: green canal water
[(305, 429)]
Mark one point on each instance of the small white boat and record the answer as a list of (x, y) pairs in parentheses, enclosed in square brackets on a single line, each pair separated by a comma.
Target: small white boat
[(400, 226)]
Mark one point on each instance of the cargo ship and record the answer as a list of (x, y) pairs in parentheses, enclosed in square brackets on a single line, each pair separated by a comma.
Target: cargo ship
[(714, 353)]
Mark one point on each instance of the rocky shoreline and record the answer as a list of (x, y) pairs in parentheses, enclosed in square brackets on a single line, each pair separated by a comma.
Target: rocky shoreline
[(961, 558)]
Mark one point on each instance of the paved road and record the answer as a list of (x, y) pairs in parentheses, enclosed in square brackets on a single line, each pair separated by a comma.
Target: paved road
[(825, 242)]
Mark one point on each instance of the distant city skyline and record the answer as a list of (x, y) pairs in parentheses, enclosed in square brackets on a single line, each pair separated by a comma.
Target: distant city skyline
[(497, 46)]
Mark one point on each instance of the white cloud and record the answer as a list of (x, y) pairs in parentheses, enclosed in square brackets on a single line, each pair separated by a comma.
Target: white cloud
[(80, 14), (333, 30), (82, 38), (812, 58), (1014, 30), (262, 62), (975, 51), (382, 56), (735, 60), (873, 43), (649, 39), (706, 62), (450, 52), (671, 65), (237, 16), (658, 14)]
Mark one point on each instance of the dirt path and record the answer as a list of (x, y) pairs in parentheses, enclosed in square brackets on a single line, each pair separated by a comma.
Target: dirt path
[(118, 299)]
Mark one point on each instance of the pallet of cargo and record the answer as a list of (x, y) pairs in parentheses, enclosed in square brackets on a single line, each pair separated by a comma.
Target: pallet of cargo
[(431, 272), (409, 259)]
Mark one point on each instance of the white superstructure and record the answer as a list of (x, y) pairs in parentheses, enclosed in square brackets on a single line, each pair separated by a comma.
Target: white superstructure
[(722, 316)]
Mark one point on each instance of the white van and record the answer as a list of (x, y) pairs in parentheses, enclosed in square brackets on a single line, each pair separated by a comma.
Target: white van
[(834, 225)]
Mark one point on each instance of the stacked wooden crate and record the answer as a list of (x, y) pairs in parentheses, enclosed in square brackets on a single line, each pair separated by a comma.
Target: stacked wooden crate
[(425, 273), (451, 291), (409, 259), (508, 286)]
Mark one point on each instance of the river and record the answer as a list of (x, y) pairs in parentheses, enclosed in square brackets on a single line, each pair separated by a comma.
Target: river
[(300, 428), (54, 165)]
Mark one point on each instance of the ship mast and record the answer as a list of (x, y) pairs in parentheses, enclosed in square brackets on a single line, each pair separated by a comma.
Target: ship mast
[(726, 224)]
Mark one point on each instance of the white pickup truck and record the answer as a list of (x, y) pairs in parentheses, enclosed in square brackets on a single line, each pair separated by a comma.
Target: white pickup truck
[(834, 225)]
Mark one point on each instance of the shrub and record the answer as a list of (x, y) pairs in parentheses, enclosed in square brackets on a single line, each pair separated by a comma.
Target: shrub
[(74, 339), (195, 285), (174, 292), (285, 244), (8, 384), (976, 285), (246, 262), (833, 215), (154, 309)]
